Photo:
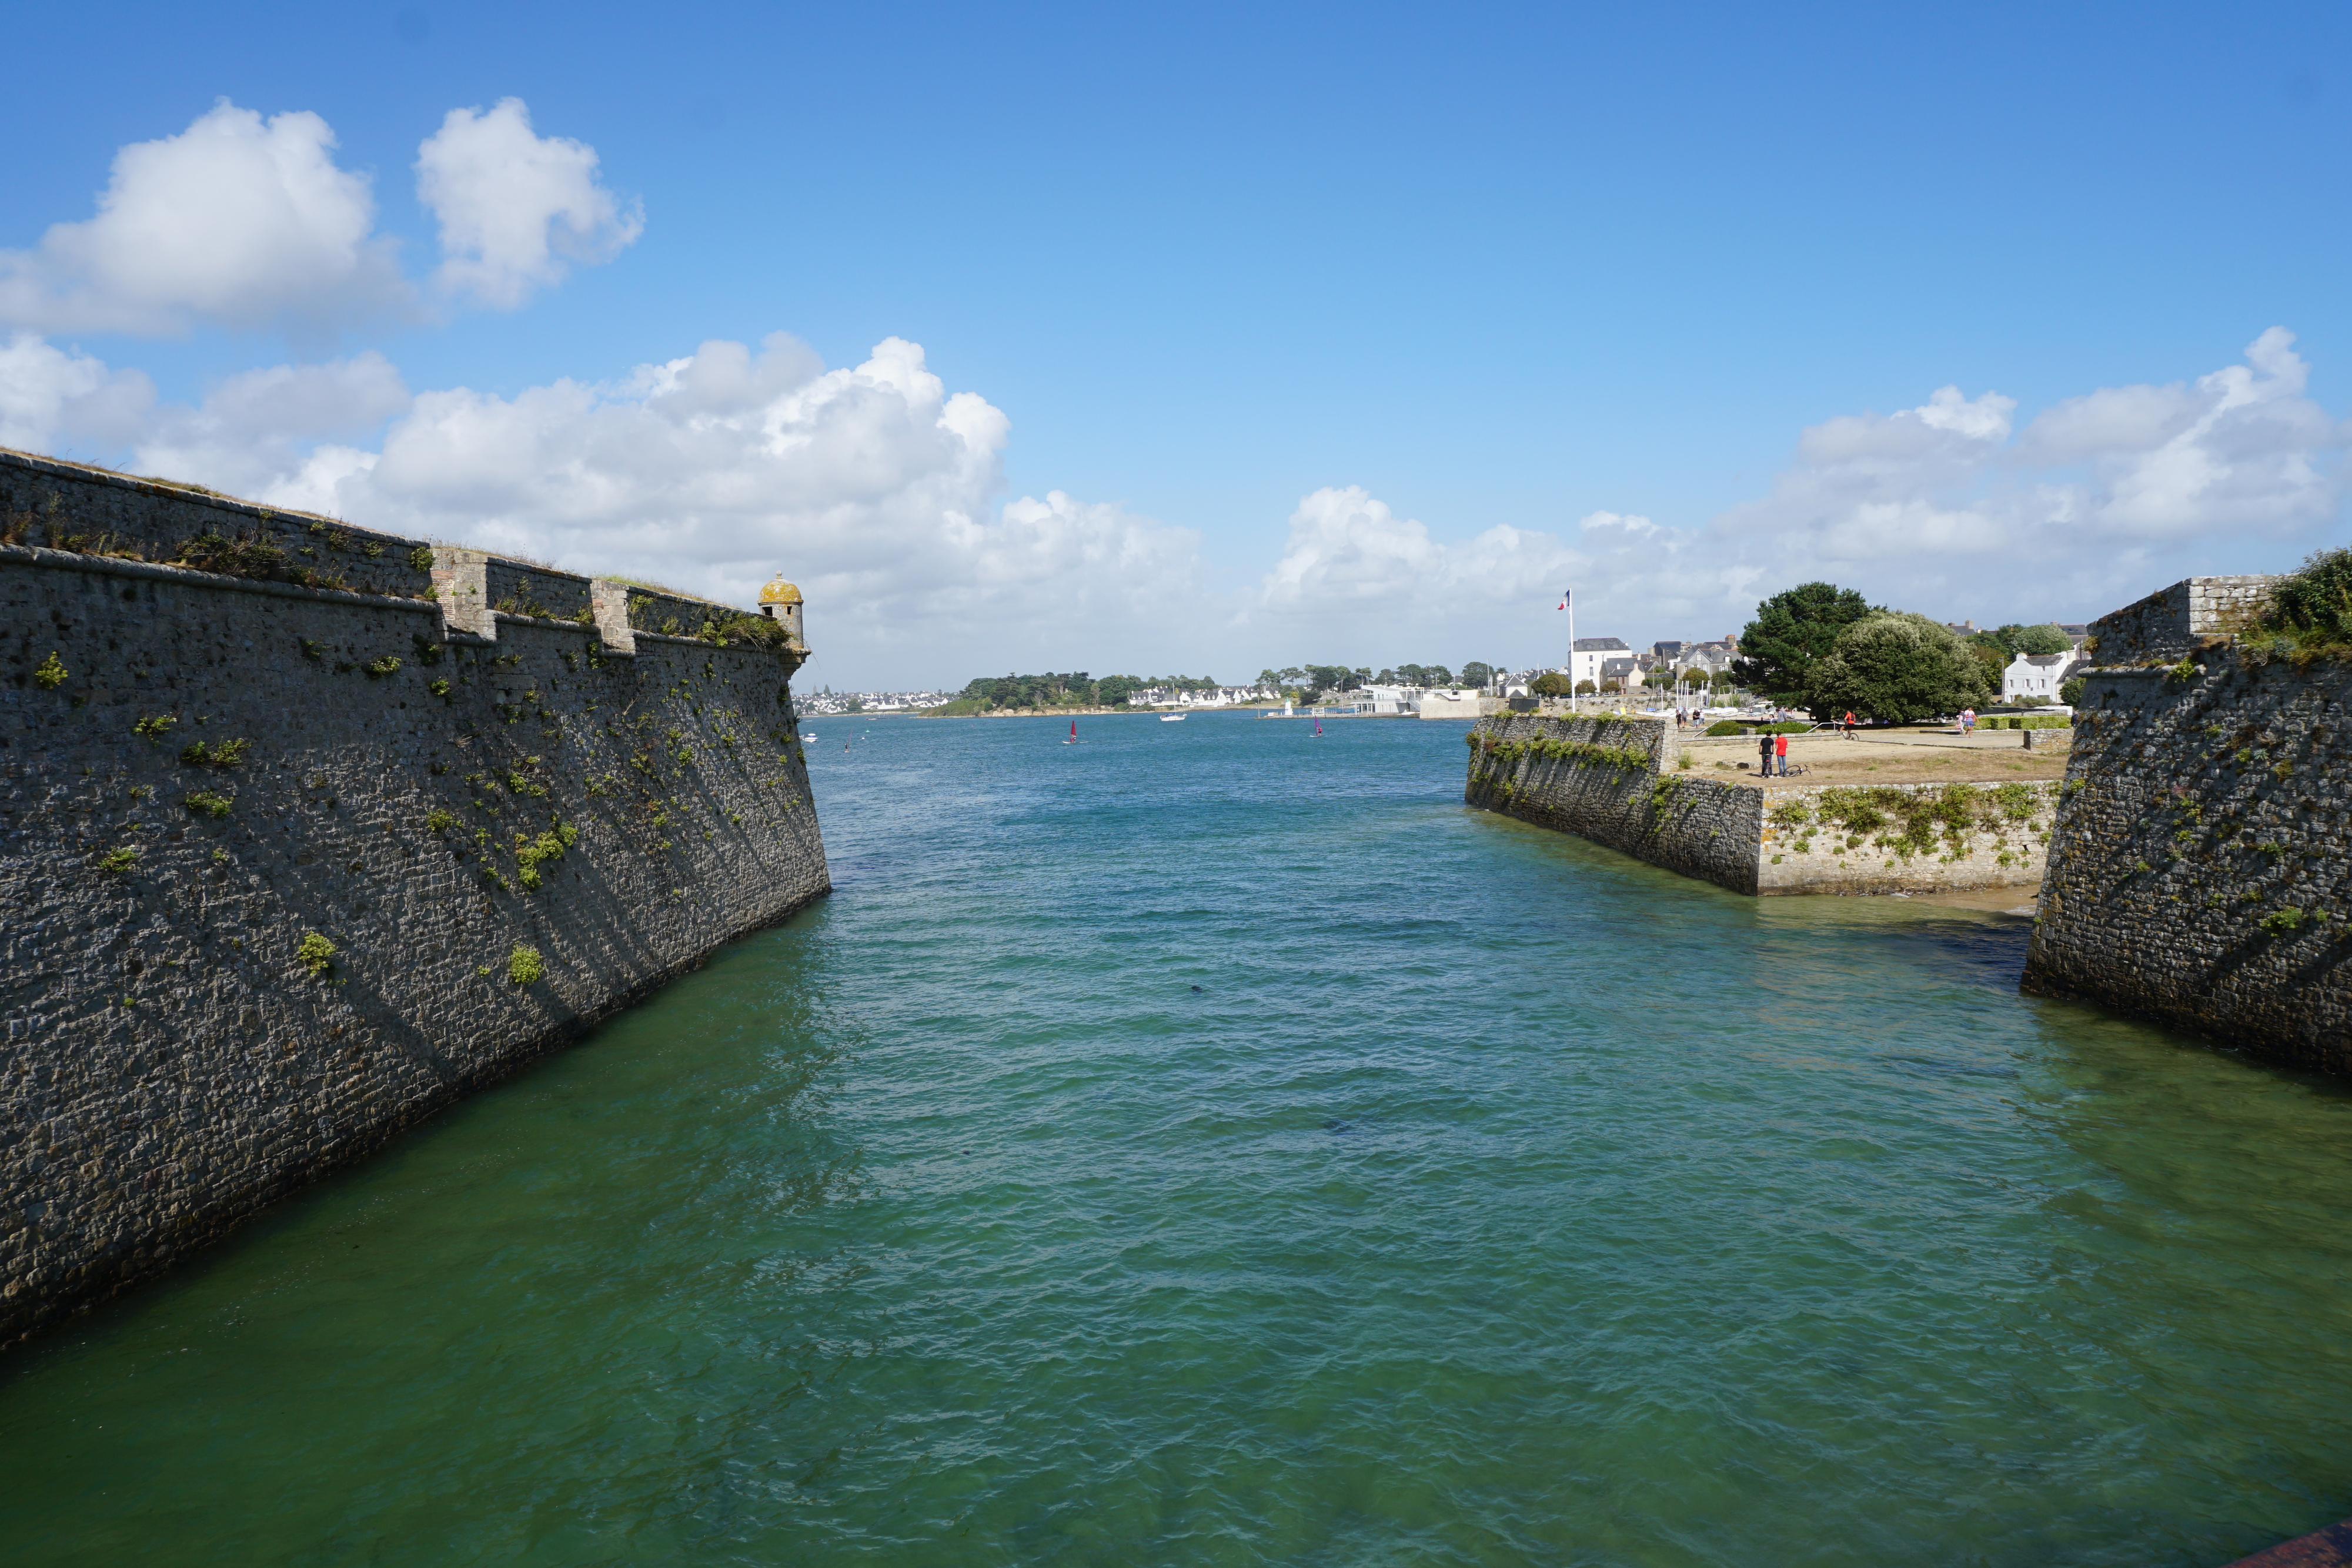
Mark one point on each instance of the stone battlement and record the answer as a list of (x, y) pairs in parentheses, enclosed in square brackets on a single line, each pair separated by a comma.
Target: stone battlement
[(85, 511), (2175, 621)]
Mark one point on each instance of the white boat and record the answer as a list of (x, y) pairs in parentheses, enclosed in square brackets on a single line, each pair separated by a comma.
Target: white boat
[(1172, 718)]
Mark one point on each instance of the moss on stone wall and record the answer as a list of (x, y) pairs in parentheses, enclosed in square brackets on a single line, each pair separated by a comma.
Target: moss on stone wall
[(174, 1056)]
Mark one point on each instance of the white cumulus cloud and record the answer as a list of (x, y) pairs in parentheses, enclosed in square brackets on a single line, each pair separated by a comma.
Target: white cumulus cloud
[(2101, 498), (237, 221), (516, 209), (248, 223), (51, 400), (1356, 584), (261, 433), (2240, 448)]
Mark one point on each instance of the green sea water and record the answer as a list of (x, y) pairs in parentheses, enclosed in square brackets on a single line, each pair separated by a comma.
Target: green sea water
[(1214, 1145)]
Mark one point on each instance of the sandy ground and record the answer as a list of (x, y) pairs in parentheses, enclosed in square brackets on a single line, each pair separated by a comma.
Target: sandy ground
[(1888, 757)]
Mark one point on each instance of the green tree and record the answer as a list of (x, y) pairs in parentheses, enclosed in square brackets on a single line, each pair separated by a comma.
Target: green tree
[(1586, 689), (1989, 651), (1897, 667), (1693, 677), (1032, 691), (1475, 673), (2071, 692), (1722, 681), (1112, 691), (1793, 632), (2042, 639), (1550, 683)]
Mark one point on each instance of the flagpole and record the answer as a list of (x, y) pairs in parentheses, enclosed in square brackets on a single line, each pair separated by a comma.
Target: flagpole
[(1573, 706)]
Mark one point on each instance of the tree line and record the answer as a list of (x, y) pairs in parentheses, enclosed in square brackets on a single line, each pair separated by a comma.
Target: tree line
[(1074, 689), (1827, 650), (1312, 683), (1299, 682)]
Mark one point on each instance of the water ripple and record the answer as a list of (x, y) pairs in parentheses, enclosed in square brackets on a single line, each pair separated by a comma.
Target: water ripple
[(1202, 1146)]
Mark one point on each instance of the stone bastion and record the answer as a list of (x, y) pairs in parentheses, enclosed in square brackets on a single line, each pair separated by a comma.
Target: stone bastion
[(307, 831), (2199, 873), (1628, 783)]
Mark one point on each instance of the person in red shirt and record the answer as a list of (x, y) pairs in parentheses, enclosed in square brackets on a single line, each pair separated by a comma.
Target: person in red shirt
[(1849, 724), (1780, 753)]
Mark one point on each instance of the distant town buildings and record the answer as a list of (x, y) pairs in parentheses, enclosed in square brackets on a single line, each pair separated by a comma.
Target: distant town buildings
[(827, 703), (1673, 657), (1586, 658), (1209, 696), (2041, 675), (1714, 657), (1609, 663)]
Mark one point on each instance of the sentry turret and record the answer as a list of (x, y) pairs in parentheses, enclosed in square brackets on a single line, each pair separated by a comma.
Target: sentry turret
[(780, 600)]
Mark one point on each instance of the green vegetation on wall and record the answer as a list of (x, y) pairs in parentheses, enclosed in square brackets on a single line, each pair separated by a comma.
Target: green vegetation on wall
[(2310, 613), (1907, 822)]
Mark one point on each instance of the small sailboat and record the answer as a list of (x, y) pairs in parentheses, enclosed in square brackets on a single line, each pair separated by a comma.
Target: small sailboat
[(1319, 731), (1172, 718), (1073, 733)]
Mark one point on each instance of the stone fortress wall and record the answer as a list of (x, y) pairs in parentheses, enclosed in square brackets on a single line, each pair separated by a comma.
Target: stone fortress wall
[(288, 866), (2199, 873), (1609, 780)]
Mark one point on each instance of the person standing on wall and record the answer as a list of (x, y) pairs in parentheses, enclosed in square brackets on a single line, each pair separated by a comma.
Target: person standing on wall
[(1780, 752), (1764, 753)]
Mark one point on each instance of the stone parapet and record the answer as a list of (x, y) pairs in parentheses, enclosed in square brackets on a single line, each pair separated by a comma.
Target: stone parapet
[(2175, 621), (87, 511)]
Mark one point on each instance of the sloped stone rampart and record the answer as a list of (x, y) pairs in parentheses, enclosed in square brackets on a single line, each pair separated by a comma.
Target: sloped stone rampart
[(2200, 874), (203, 778), (1607, 780), (1599, 778)]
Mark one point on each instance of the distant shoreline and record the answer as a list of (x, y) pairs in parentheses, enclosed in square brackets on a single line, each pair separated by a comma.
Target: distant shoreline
[(1066, 712)]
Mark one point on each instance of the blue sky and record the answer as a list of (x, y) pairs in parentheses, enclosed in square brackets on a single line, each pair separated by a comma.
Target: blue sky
[(1468, 268)]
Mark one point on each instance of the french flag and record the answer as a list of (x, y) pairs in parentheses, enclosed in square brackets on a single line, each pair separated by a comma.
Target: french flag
[(1563, 597)]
